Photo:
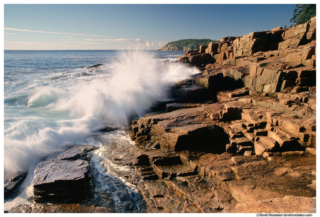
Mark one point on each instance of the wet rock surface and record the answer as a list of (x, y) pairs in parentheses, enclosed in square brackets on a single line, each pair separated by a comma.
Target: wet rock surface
[(63, 178), (84, 179), (12, 183)]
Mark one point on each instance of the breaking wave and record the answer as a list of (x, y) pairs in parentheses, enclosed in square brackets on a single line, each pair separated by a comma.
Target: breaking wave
[(67, 112)]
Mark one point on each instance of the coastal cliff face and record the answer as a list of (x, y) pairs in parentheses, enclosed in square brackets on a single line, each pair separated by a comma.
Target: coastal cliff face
[(238, 138), (240, 134)]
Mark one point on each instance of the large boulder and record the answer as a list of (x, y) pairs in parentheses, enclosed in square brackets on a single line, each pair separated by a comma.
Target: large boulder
[(293, 37), (212, 48), (263, 80), (202, 48), (63, 178), (302, 56), (195, 59), (206, 58), (12, 183), (61, 181)]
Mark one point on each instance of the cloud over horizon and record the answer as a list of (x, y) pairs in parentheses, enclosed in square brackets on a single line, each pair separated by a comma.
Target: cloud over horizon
[(46, 32), (67, 41), (114, 40)]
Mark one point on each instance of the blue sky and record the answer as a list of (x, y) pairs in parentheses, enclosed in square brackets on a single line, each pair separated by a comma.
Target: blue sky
[(109, 26)]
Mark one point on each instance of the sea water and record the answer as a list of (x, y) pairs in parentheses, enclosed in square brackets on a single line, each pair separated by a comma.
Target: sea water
[(53, 99)]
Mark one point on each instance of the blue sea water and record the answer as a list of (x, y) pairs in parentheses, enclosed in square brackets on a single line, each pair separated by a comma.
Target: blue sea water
[(53, 99)]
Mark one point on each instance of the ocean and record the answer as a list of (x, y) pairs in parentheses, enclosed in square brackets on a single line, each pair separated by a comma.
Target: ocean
[(53, 99)]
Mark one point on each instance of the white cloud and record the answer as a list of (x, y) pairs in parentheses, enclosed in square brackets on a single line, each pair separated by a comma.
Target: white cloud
[(122, 40), (65, 44), (75, 42), (133, 43), (59, 33), (7, 33), (21, 42)]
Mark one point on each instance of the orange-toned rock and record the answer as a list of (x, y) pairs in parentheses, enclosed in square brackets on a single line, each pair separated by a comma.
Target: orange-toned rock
[(212, 48), (276, 29), (202, 48), (288, 204)]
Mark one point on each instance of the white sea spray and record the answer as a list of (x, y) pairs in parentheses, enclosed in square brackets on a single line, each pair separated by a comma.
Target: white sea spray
[(67, 110)]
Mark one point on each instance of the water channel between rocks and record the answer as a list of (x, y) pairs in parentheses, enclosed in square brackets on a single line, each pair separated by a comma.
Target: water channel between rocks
[(113, 177)]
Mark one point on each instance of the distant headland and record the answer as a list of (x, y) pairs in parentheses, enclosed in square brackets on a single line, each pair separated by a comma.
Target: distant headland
[(185, 44)]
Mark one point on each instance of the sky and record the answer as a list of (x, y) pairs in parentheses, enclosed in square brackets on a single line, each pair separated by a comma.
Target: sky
[(111, 26)]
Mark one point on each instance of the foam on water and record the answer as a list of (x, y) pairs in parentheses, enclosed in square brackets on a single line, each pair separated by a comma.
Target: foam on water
[(67, 110)]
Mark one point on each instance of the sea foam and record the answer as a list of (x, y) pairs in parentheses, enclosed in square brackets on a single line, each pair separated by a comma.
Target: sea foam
[(130, 84)]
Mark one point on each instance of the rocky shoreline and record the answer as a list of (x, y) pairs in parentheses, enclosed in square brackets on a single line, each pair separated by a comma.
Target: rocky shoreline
[(238, 138), (242, 137)]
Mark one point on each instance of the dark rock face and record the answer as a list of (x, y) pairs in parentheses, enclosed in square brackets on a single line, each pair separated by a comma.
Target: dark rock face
[(63, 178), (188, 91), (108, 129), (95, 66), (12, 183)]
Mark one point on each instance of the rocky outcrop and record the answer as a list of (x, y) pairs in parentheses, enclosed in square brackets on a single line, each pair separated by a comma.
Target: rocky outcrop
[(229, 49), (12, 183), (63, 178), (242, 136), (241, 151), (95, 66)]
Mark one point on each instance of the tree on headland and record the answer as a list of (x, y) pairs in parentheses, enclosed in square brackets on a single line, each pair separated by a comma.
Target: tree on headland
[(303, 13), (308, 11), (186, 44), (296, 14)]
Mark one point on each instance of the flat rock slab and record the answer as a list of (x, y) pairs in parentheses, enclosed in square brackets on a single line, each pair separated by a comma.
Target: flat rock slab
[(64, 177), (205, 196), (174, 106), (77, 152), (288, 204), (160, 198), (12, 183), (173, 171), (53, 171)]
